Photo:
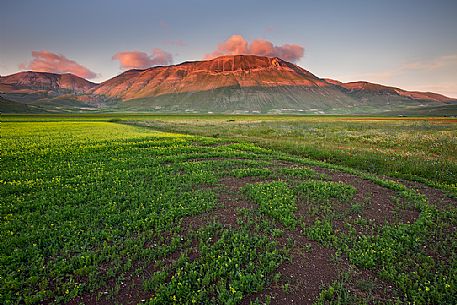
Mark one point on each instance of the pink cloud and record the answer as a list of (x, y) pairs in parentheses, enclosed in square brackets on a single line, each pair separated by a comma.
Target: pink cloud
[(141, 60), (45, 61), (237, 44), (161, 57), (262, 47)]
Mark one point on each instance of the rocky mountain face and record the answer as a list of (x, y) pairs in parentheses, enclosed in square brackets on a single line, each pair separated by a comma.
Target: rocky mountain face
[(227, 84), (43, 90), (241, 71), (32, 82)]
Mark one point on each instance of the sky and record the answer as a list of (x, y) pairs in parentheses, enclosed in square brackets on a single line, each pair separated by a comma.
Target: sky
[(411, 44)]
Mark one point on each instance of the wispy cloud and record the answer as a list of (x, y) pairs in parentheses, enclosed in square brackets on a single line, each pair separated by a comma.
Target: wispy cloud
[(142, 60), (434, 74), (431, 64), (449, 88), (45, 61), (426, 65), (237, 44)]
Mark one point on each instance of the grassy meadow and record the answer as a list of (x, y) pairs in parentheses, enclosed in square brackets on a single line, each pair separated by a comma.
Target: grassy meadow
[(419, 149), (141, 209)]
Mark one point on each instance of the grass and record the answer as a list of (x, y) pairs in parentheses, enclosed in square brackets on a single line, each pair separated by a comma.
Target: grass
[(81, 202), (324, 190), (275, 199), (97, 210), (251, 172), (301, 172), (419, 149)]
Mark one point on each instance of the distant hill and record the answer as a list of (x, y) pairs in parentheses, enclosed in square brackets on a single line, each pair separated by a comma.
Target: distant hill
[(51, 83), (449, 110), (371, 88), (227, 84), (7, 106), (56, 92)]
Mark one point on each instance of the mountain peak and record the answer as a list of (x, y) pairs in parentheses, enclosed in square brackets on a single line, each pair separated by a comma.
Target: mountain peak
[(230, 63), (246, 62), (228, 71), (25, 81), (225, 83)]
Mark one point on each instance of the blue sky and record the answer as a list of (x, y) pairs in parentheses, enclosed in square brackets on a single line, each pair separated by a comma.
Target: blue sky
[(408, 44)]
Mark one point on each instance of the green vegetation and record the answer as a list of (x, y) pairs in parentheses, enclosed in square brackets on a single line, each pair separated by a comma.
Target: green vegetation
[(251, 172), (442, 110), (225, 271), (403, 254), (323, 190), (274, 199), (301, 172), (9, 106), (88, 203), (419, 149), (93, 210)]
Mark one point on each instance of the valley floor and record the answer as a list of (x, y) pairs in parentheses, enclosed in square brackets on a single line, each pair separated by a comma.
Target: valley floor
[(228, 210)]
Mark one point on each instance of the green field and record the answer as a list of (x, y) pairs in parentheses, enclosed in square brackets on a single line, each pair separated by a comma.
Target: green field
[(418, 149), (129, 209)]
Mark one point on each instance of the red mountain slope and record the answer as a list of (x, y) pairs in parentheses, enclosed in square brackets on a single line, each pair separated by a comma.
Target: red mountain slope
[(226, 71), (34, 82)]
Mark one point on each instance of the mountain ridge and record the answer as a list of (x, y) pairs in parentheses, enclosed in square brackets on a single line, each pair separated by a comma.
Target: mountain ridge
[(225, 84), (45, 81), (223, 71), (359, 85)]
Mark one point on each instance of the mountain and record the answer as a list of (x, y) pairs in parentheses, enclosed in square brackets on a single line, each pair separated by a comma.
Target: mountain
[(237, 83), (227, 84), (7, 106), (56, 92), (241, 71), (366, 87), (51, 83)]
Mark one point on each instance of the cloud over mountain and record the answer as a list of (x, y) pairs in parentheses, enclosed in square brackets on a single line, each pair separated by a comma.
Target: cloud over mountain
[(142, 60), (238, 45), (45, 61)]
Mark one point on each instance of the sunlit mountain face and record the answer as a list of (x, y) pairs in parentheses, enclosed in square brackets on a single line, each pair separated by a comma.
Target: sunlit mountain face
[(225, 84)]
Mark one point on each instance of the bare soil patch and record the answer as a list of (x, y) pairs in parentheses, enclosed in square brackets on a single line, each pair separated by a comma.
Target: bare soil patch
[(312, 267), (435, 196)]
